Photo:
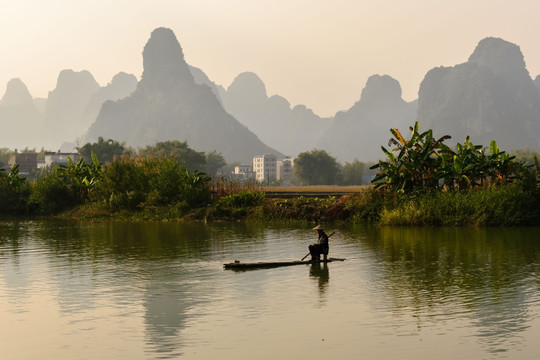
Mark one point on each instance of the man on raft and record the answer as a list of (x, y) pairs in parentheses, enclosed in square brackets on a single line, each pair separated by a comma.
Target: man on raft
[(321, 247)]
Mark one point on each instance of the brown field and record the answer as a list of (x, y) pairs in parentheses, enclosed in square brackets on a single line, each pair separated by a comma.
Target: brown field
[(315, 189)]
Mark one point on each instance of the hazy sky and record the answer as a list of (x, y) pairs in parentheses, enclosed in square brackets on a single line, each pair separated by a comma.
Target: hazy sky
[(317, 53)]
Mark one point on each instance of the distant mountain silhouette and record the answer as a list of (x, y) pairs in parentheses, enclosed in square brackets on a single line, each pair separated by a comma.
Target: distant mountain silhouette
[(66, 105), (17, 94), (66, 114), (290, 130), (169, 105), (122, 85), (200, 78), (359, 132), (20, 119), (490, 97)]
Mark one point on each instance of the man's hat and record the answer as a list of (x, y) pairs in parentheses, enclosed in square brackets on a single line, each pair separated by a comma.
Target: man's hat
[(318, 227)]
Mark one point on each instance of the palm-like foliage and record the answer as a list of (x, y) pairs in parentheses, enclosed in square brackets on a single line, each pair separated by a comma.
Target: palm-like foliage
[(14, 191), (425, 163), (80, 177), (463, 167), (501, 165), (411, 163)]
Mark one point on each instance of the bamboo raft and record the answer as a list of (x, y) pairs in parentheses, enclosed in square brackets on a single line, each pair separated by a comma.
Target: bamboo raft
[(237, 265)]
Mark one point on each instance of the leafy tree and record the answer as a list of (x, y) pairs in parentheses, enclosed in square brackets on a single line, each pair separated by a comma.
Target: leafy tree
[(353, 172), (178, 151), (317, 167), (214, 162), (105, 150)]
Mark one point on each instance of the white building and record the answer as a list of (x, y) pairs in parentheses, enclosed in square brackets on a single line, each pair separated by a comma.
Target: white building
[(265, 167), (243, 172), (59, 158)]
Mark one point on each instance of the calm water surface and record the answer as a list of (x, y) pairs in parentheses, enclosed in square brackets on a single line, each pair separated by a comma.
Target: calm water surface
[(72, 290)]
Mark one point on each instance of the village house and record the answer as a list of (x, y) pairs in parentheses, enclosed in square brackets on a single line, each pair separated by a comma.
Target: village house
[(59, 158), (243, 172), (27, 162)]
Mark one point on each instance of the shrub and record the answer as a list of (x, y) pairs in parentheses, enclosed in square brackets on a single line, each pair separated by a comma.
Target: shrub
[(50, 194), (135, 182), (242, 199), (14, 192)]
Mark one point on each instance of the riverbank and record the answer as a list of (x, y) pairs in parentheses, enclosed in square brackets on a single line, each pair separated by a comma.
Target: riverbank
[(508, 205)]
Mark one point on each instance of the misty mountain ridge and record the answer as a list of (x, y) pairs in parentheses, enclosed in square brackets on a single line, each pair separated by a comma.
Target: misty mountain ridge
[(19, 115), (489, 97), (121, 86), (67, 112), (291, 130), (16, 94), (169, 105), (66, 104), (359, 132)]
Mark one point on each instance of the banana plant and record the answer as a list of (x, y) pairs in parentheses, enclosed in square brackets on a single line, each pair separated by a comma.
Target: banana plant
[(80, 177), (465, 167), (411, 163), (13, 178), (196, 187), (501, 165)]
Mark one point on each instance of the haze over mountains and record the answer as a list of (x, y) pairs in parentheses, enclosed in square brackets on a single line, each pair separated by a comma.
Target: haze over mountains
[(168, 104), (491, 96), (291, 130), (365, 126)]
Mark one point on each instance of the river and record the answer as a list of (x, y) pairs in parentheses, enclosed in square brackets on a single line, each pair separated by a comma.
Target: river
[(158, 290)]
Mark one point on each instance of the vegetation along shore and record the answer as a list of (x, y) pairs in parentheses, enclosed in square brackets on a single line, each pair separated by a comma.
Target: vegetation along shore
[(421, 181)]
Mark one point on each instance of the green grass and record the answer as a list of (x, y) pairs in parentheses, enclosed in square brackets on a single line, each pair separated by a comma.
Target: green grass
[(506, 205)]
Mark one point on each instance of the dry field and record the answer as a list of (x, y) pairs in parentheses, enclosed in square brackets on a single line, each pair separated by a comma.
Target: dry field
[(311, 191)]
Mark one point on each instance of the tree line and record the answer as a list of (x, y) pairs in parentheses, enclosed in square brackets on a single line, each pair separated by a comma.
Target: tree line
[(169, 173), (128, 183), (317, 167), (423, 162)]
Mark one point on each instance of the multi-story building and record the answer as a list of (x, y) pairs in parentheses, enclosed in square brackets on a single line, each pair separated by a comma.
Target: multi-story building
[(285, 171), (264, 167)]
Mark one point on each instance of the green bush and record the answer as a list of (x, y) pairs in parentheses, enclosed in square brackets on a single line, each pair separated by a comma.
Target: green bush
[(136, 182), (242, 199), (51, 194), (239, 205), (14, 192)]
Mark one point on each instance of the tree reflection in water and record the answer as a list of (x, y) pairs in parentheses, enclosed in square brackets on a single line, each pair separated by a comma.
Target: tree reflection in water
[(439, 274)]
